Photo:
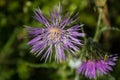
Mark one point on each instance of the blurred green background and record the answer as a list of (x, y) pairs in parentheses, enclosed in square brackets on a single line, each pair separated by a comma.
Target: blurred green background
[(15, 53)]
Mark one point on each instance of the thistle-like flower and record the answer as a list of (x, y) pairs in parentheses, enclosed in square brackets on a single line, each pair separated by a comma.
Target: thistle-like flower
[(93, 69), (54, 36)]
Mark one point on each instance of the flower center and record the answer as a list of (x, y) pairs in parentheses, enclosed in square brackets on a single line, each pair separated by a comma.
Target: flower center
[(55, 34)]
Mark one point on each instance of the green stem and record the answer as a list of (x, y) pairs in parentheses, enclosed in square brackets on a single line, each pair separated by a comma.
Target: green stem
[(62, 72), (7, 49), (76, 76), (52, 65), (97, 35), (85, 38), (84, 46)]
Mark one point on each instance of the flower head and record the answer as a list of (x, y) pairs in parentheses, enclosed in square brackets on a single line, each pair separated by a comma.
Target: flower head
[(88, 69), (92, 68), (54, 35)]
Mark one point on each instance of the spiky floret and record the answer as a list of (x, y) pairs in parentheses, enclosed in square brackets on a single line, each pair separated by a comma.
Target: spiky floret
[(95, 68), (54, 36)]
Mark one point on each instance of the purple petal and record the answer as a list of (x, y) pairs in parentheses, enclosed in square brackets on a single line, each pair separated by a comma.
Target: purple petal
[(59, 53), (41, 18)]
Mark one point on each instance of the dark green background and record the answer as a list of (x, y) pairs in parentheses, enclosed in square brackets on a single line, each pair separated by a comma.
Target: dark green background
[(15, 53)]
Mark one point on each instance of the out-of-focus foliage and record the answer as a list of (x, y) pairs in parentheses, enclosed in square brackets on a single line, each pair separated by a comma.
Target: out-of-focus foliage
[(17, 63)]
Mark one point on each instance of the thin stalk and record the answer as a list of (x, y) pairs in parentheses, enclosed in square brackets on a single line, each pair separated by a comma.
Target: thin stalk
[(52, 65), (96, 78), (84, 46), (97, 35), (76, 76), (6, 50)]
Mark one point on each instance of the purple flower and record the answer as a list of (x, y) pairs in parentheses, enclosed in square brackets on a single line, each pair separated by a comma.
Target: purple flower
[(54, 36), (104, 66), (88, 69), (92, 68)]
